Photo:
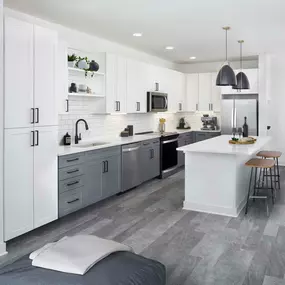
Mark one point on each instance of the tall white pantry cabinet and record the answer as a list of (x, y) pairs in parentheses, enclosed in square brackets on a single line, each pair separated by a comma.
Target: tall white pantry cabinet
[(30, 141)]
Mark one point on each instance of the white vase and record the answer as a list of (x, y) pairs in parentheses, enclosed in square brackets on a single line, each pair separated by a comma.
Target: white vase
[(82, 64), (71, 64)]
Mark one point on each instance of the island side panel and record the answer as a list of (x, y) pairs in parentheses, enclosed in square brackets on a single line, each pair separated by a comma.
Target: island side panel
[(210, 183)]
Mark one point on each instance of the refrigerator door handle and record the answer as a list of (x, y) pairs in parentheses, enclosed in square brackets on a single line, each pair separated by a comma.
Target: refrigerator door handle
[(232, 123), (235, 118)]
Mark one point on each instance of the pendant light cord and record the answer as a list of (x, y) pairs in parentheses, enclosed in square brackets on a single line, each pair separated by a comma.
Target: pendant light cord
[(226, 45), (241, 57)]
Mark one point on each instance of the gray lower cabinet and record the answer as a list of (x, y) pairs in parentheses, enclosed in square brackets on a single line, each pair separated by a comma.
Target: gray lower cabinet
[(150, 160), (184, 139), (111, 177), (95, 176), (201, 136), (93, 182)]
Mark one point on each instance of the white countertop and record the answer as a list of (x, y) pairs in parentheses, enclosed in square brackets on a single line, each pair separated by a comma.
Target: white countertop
[(113, 141), (221, 145), (110, 141), (180, 131)]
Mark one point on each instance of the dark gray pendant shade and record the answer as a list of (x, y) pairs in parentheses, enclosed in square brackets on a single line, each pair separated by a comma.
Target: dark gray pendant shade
[(226, 77), (242, 81)]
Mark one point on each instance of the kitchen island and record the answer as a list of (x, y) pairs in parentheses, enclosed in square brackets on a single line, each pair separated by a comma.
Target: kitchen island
[(216, 179)]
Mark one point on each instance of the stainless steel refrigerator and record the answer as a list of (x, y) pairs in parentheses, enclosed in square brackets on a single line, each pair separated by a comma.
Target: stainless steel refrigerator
[(235, 108)]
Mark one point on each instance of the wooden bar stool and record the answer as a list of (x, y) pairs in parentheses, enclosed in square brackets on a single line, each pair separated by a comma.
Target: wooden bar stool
[(275, 156), (260, 164)]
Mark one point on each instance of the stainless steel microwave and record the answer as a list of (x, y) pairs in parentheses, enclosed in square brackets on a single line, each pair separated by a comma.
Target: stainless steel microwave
[(157, 102)]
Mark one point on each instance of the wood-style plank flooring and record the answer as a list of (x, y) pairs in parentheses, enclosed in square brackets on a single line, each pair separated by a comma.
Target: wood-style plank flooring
[(197, 248)]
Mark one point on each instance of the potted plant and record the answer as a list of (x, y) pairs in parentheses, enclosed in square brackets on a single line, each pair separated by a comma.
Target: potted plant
[(83, 63), (72, 60)]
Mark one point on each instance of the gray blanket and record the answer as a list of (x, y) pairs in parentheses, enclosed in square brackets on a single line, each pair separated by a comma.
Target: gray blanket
[(120, 268)]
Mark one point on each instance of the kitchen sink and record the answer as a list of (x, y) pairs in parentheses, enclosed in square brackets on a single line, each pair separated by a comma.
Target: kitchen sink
[(85, 145)]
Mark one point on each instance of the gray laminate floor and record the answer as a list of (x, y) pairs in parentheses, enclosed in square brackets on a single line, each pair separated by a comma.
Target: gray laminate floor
[(196, 248)]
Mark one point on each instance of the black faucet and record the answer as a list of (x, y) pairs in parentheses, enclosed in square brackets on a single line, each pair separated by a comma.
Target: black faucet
[(78, 138)]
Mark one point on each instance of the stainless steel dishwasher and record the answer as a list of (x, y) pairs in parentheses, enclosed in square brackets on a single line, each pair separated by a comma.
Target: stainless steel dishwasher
[(131, 172)]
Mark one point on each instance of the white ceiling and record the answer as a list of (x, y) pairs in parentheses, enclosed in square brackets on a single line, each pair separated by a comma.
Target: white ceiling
[(193, 27)]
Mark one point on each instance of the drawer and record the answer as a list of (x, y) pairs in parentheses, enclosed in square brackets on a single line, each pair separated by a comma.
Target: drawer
[(148, 143), (70, 184), (69, 202), (70, 172), (103, 153), (69, 160)]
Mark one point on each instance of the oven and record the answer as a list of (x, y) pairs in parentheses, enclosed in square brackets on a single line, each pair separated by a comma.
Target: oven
[(169, 158), (157, 102)]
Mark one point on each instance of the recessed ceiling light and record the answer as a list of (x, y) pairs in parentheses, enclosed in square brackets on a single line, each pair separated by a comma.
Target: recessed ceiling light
[(137, 34), (169, 48), (192, 57)]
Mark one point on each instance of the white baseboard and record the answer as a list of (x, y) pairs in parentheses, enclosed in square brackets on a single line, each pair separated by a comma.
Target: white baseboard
[(3, 249), (210, 209)]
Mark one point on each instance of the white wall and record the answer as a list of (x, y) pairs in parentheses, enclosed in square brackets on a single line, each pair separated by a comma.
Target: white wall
[(2, 244), (214, 66), (273, 98), (85, 42)]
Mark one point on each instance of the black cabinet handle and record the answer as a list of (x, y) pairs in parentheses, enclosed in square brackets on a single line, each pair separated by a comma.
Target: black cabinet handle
[(71, 160), (119, 104), (33, 138), (67, 105), (75, 200), (38, 115), (107, 166), (137, 106), (33, 115), (104, 166), (38, 138), (72, 183), (72, 171)]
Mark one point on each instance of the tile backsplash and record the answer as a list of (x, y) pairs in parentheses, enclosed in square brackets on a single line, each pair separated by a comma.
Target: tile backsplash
[(111, 125)]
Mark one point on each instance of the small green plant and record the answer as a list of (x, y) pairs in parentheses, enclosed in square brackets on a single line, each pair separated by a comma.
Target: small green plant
[(72, 57)]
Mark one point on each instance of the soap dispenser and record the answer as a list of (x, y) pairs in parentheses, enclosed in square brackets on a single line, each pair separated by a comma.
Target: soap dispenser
[(67, 139)]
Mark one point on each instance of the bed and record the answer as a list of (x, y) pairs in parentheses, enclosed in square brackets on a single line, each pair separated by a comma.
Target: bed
[(119, 268)]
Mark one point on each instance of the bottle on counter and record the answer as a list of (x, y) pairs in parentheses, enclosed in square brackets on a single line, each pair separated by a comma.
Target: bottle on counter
[(245, 128), (67, 139)]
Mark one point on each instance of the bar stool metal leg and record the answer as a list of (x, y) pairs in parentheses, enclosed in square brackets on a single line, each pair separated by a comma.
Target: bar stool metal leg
[(272, 188), (248, 194), (278, 173), (254, 185)]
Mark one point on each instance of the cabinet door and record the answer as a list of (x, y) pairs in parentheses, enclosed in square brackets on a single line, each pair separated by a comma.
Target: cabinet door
[(111, 177), (62, 79), (18, 70), (92, 191), (111, 96), (216, 95), (45, 100), (136, 87), (18, 182), (121, 83), (181, 91), (201, 136), (205, 90), (192, 91), (155, 160), (45, 176), (181, 155), (146, 154)]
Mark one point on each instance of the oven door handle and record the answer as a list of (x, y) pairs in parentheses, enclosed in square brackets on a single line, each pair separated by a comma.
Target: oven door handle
[(170, 141), (166, 103)]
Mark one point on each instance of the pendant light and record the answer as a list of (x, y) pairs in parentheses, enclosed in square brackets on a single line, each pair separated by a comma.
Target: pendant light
[(226, 76), (242, 80)]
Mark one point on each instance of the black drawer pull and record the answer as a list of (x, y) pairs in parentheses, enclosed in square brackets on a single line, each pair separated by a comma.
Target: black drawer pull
[(72, 183), (70, 160), (72, 171), (73, 201)]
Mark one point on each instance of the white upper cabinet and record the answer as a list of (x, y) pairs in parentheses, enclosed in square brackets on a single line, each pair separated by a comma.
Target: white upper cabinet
[(45, 176), (45, 50), (192, 92), (252, 75), (30, 56), (19, 73), (205, 92), (216, 95), (136, 86), (62, 78), (116, 84)]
